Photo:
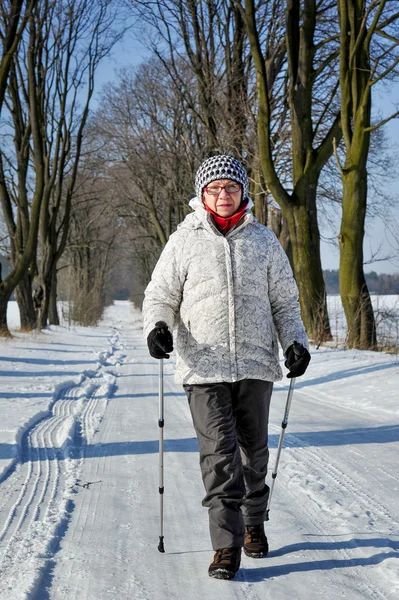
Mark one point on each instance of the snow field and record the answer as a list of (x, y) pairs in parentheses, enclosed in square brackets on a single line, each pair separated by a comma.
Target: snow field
[(79, 507)]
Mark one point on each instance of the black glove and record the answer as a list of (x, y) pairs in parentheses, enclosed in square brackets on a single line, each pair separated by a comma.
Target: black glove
[(297, 361), (160, 341)]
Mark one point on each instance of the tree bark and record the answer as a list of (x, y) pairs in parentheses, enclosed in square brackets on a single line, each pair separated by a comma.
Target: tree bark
[(23, 296), (353, 289), (279, 225), (4, 299), (53, 311), (305, 244), (44, 307), (260, 198)]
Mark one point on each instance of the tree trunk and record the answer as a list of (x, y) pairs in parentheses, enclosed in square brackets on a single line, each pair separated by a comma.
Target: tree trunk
[(260, 200), (23, 296), (354, 293), (305, 240), (279, 225), (10, 40), (53, 312), (4, 298), (269, 215), (356, 77), (44, 308)]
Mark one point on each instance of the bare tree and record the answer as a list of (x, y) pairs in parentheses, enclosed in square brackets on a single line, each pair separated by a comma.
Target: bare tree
[(150, 139), (23, 230), (369, 53), (90, 254), (314, 123), (18, 194), (49, 97), (209, 37), (82, 36)]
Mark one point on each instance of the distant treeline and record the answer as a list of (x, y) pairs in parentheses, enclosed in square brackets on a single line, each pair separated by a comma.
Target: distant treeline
[(377, 284)]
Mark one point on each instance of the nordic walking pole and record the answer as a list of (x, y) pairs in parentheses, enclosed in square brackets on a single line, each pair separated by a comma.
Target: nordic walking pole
[(161, 424), (280, 442)]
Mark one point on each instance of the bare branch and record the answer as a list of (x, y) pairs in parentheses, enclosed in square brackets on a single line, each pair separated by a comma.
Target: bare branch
[(383, 122), (337, 157), (385, 73)]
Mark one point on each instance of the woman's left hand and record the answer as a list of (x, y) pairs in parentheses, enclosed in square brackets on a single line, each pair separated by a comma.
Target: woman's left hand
[(297, 360)]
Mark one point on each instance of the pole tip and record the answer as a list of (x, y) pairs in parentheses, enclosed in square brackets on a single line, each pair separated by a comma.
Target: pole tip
[(160, 545)]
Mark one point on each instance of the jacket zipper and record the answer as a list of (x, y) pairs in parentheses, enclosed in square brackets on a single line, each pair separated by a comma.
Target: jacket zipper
[(232, 320)]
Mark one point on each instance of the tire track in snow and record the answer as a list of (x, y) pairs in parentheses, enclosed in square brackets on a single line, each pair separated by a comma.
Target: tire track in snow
[(325, 478), (37, 497), (76, 576), (367, 588), (34, 453), (332, 477), (331, 401)]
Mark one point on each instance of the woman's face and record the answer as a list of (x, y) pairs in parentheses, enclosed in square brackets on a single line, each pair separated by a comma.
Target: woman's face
[(225, 203)]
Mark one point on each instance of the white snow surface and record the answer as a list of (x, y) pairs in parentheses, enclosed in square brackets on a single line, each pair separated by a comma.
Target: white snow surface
[(79, 476)]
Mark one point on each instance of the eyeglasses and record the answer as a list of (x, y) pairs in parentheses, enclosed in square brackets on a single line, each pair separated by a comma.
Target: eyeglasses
[(231, 188)]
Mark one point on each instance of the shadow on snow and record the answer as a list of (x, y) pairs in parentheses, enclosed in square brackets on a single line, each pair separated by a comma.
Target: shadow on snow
[(271, 571), (342, 374), (363, 435)]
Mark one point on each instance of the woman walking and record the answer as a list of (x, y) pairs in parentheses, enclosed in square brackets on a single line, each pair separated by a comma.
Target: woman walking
[(224, 286)]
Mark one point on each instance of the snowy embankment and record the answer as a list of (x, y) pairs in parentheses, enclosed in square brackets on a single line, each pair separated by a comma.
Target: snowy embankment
[(386, 314), (79, 476)]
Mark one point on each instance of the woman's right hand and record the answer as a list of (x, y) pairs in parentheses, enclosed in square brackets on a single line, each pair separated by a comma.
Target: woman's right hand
[(160, 341)]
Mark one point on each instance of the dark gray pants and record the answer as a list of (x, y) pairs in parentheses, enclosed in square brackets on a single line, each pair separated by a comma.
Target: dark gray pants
[(231, 421)]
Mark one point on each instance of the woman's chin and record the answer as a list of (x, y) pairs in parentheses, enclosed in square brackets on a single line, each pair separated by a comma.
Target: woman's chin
[(225, 213)]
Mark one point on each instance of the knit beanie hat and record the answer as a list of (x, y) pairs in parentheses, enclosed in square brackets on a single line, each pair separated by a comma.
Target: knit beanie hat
[(221, 166)]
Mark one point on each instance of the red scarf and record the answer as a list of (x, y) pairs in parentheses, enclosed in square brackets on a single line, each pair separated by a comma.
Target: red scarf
[(224, 224)]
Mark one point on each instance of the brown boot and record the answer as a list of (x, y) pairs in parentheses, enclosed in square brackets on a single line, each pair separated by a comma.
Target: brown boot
[(255, 541), (226, 563)]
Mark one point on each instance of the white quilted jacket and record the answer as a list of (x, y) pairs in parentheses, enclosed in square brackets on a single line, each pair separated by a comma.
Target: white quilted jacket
[(228, 297)]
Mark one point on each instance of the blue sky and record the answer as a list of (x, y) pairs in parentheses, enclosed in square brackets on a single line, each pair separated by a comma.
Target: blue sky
[(131, 52)]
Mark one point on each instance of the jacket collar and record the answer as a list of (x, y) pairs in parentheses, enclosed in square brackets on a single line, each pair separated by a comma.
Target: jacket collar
[(225, 224), (201, 218)]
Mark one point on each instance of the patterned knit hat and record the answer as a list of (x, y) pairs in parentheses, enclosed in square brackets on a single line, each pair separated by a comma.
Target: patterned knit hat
[(221, 166)]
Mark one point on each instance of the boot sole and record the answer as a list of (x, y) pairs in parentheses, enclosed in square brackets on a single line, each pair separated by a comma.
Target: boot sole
[(255, 554), (221, 574)]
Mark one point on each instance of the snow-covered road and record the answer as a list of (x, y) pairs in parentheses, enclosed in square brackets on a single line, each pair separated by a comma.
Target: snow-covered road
[(79, 505)]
